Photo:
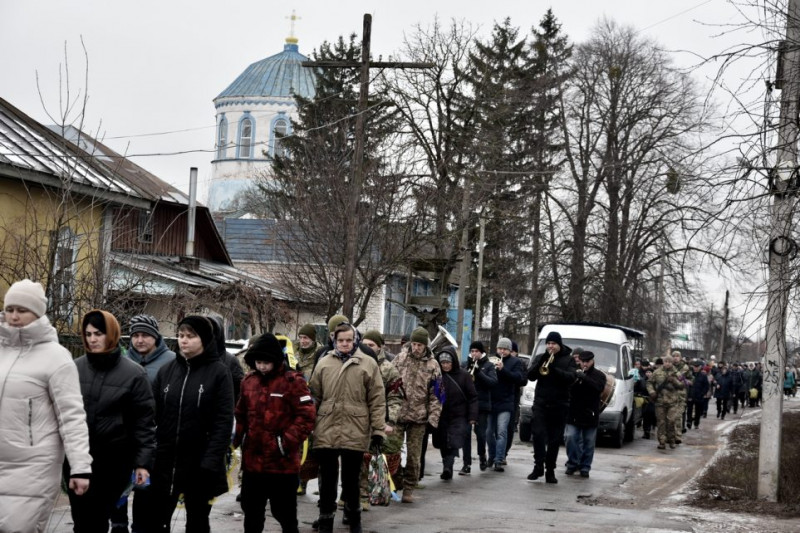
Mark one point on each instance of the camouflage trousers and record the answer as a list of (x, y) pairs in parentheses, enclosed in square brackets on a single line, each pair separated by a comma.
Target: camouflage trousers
[(413, 433), (667, 414), (680, 419)]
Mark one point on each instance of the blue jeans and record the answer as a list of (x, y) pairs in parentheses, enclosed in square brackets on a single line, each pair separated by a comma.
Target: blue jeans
[(580, 447), (497, 435)]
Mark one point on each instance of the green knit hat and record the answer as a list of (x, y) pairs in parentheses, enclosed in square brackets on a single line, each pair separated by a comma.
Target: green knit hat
[(375, 336), (335, 321), (420, 335), (309, 331)]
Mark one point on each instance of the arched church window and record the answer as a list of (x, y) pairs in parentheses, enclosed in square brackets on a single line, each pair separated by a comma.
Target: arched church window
[(279, 131), (222, 138), (246, 138)]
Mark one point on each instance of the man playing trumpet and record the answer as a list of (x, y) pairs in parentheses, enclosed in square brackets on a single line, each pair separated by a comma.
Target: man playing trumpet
[(555, 372)]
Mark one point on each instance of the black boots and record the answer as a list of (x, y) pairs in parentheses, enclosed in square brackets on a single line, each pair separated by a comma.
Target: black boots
[(326, 523), (550, 477), (353, 519), (538, 471)]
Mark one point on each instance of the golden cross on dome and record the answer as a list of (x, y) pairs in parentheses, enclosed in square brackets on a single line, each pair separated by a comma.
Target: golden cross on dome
[(291, 39)]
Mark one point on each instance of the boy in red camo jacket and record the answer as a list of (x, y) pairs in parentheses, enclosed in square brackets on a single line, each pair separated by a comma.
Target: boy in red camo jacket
[(274, 415)]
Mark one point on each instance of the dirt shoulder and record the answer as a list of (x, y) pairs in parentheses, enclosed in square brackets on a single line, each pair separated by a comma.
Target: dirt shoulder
[(670, 480)]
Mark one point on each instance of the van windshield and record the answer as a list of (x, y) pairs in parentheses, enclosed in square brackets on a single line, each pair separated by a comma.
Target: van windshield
[(606, 355)]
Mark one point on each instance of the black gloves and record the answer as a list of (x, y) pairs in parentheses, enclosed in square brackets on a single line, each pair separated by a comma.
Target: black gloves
[(376, 443), (579, 374)]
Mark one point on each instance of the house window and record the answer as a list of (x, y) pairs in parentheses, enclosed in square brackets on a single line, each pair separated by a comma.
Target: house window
[(246, 138), (222, 138), (279, 131), (398, 321), (145, 226), (64, 273)]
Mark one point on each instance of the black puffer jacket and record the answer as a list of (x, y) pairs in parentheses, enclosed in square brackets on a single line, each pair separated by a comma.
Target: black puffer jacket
[(194, 414), (459, 408), (119, 409), (553, 389)]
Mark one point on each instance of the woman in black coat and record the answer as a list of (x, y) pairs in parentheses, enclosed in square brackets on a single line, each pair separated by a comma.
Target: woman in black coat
[(194, 414), (119, 412), (723, 391), (459, 411)]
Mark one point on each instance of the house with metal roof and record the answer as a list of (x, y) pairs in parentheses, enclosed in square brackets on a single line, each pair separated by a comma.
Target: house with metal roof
[(100, 231)]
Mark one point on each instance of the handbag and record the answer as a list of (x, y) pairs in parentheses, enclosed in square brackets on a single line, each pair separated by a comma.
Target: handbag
[(753, 393), (379, 481)]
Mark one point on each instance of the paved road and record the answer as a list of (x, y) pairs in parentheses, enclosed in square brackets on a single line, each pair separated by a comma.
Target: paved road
[(634, 489)]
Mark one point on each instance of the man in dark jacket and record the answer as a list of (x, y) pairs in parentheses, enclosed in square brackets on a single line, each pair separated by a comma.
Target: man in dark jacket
[(484, 375), (584, 415), (722, 390), (194, 414), (274, 416), (459, 411), (697, 397), (550, 404), (738, 387), (147, 349), (510, 372)]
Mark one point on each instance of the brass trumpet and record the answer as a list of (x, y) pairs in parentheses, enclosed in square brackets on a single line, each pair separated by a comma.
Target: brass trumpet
[(545, 368)]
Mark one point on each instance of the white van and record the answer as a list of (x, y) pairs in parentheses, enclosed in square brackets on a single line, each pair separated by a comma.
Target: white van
[(613, 348)]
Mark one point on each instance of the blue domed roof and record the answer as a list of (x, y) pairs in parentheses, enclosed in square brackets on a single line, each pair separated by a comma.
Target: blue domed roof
[(280, 75)]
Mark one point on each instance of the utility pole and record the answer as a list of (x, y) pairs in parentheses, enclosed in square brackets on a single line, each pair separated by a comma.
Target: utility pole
[(781, 249), (724, 329), (477, 331), (463, 272), (348, 284), (660, 304)]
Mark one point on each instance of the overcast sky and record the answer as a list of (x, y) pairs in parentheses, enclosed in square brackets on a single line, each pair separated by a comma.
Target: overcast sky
[(154, 66)]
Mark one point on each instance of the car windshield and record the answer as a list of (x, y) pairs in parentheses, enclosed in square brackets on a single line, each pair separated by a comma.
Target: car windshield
[(606, 355)]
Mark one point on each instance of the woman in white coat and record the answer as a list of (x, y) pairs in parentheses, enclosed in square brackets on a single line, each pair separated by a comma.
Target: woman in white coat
[(41, 413)]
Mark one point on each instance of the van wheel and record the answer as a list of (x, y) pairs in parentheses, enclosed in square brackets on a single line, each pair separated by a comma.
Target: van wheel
[(524, 432), (618, 437), (630, 427)]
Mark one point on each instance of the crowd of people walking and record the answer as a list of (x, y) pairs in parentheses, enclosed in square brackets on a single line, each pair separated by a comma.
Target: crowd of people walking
[(165, 423)]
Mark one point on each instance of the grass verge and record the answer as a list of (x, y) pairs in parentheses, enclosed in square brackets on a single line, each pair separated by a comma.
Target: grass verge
[(731, 483)]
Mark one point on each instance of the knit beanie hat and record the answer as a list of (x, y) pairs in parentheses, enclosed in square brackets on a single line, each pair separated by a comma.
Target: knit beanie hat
[(202, 326), (420, 335), (265, 347), (477, 345), (104, 322), (335, 321), (554, 336), (375, 336), (309, 331), (145, 324), (504, 342), (27, 294)]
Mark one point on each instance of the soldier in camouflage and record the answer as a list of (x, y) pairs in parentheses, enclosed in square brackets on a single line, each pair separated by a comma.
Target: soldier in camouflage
[(685, 375), (663, 388), (394, 401), (307, 349), (422, 384)]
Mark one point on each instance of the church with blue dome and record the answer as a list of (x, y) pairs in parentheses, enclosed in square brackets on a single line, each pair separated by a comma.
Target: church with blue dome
[(252, 114)]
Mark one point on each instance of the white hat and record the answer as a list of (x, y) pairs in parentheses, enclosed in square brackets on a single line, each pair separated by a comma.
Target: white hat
[(713, 357), (27, 294)]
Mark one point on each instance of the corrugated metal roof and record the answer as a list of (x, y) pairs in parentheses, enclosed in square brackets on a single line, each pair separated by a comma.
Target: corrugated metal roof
[(146, 184), (280, 75), (163, 275), (27, 145)]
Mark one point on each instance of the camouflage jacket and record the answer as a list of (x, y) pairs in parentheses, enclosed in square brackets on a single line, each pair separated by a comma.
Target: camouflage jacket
[(394, 388), (306, 359), (665, 385), (422, 385)]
